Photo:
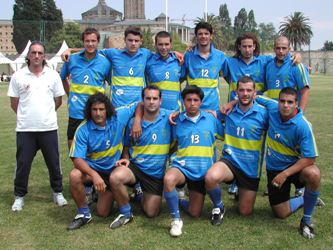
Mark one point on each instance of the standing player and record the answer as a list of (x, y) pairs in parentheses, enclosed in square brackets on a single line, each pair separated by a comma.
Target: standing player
[(95, 151), (282, 73), (88, 70), (195, 134), (148, 156), (245, 130), (290, 158), (203, 66), (164, 70), (35, 94)]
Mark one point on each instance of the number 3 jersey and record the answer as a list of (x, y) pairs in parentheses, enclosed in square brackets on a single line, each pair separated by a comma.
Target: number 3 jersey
[(99, 146), (195, 140), (245, 139), (87, 78), (151, 150)]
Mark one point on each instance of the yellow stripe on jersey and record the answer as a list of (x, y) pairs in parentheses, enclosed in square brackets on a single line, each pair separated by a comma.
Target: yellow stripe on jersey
[(273, 93), (127, 81), (110, 152), (85, 89), (160, 149), (278, 147), (196, 151), (203, 82), (244, 144), (303, 74), (167, 85)]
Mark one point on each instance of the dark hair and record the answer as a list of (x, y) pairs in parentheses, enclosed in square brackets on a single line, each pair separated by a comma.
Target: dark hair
[(32, 44), (89, 31), (244, 36), (203, 25), (246, 79), (289, 91), (193, 89), (136, 31), (99, 98), (162, 34), (150, 87)]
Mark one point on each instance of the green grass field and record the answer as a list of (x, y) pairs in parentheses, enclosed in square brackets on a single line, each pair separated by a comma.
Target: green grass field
[(42, 225)]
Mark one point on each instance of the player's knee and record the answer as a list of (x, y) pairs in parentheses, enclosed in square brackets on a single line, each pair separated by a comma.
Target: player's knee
[(194, 212), (245, 211), (115, 179), (75, 177), (211, 178), (151, 213), (312, 175), (169, 181)]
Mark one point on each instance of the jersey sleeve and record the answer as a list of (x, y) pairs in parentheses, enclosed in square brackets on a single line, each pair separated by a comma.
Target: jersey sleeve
[(301, 76), (307, 143), (58, 89), (219, 129), (79, 146), (269, 103), (13, 90), (127, 137), (108, 53), (125, 113), (64, 71)]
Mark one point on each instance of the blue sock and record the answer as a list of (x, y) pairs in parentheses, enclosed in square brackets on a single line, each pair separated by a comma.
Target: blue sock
[(84, 210), (172, 201), (184, 204), (296, 203), (310, 201), (126, 210), (215, 195)]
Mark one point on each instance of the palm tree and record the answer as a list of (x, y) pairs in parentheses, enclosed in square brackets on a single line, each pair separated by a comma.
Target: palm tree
[(217, 28), (297, 29)]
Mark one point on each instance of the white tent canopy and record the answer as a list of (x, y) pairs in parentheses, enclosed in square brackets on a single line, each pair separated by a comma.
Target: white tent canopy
[(4, 60), (53, 62), (20, 60)]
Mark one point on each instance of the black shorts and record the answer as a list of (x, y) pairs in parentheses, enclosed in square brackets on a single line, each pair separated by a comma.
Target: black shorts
[(148, 183), (242, 180), (198, 186), (72, 126), (278, 195), (106, 179)]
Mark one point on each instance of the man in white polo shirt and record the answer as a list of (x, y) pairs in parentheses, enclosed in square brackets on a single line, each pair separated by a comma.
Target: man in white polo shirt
[(35, 94)]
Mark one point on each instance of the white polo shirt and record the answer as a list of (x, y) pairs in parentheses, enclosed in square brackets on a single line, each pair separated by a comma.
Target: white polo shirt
[(36, 107)]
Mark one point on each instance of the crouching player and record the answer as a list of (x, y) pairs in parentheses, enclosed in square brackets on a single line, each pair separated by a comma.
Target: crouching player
[(95, 150), (148, 156), (195, 133), (290, 158)]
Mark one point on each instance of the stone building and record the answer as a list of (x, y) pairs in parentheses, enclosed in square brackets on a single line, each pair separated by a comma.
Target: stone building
[(6, 36)]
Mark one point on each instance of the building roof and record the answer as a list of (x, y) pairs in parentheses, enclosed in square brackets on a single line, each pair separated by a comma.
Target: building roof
[(104, 5)]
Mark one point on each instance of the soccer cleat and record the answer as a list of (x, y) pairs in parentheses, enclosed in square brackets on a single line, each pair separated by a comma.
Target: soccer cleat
[(137, 194), (59, 199), (320, 203), (176, 227), (18, 204), (120, 221), (299, 192), (233, 189), (217, 216), (306, 230), (79, 221)]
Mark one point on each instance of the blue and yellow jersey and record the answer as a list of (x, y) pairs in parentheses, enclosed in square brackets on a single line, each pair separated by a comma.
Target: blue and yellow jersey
[(204, 72), (128, 75), (101, 147), (87, 78), (256, 69), (151, 150), (288, 141), (165, 74), (195, 144), (244, 141), (286, 75)]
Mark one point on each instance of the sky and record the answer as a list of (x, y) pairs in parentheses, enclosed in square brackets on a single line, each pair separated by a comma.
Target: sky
[(319, 11)]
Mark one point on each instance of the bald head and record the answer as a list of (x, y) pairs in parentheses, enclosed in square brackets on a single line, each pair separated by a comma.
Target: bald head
[(281, 48), (282, 39)]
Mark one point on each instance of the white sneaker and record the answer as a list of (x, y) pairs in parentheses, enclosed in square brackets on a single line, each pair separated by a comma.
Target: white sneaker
[(176, 227), (18, 203), (59, 199)]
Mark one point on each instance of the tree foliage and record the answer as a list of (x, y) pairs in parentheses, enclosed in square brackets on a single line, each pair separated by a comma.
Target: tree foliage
[(70, 32), (35, 20), (267, 35), (226, 27), (297, 29), (328, 45), (148, 39), (240, 22), (251, 23), (177, 44)]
